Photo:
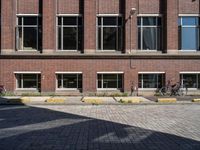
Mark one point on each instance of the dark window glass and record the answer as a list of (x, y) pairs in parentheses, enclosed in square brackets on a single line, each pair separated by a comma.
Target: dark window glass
[(69, 20), (120, 81), (70, 81), (99, 21), (109, 38), (59, 38), (139, 21), (190, 80), (109, 21), (30, 20), (30, 38), (69, 38), (19, 20), (151, 80), (80, 81), (99, 77), (59, 21), (59, 78), (80, 21), (149, 21), (120, 21), (28, 81), (99, 38)]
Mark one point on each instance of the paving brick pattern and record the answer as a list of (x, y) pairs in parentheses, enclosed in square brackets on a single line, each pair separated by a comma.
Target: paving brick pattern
[(110, 127)]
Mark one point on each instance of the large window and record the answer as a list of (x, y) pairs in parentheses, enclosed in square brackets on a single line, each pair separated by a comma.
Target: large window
[(151, 81), (149, 33), (28, 81), (28, 33), (190, 80), (189, 33), (110, 81), (69, 81), (69, 33), (109, 33)]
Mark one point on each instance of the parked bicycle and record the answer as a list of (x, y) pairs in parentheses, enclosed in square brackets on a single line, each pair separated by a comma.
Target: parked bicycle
[(2, 90), (173, 90)]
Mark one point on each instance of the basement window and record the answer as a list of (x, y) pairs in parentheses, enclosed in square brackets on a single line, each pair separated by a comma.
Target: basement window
[(28, 81)]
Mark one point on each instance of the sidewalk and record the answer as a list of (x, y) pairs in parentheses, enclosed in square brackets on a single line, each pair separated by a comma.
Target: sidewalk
[(78, 100)]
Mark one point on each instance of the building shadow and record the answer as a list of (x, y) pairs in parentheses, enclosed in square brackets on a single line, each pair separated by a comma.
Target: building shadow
[(30, 128)]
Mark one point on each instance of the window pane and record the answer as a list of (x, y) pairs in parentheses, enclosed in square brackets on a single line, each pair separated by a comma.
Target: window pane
[(139, 21), (190, 80), (20, 40), (70, 38), (109, 38), (19, 79), (19, 20), (80, 81), (149, 81), (59, 20), (99, 78), (161, 80), (30, 38), (120, 21), (120, 38), (109, 81), (80, 21), (140, 81), (139, 38), (109, 21), (29, 81), (80, 38), (189, 38), (70, 81), (99, 21), (149, 21), (59, 80), (99, 38), (149, 39), (30, 20), (59, 38), (69, 20), (189, 20), (120, 81)]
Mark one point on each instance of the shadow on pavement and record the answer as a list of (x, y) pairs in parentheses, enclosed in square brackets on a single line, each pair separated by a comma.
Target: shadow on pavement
[(31, 128)]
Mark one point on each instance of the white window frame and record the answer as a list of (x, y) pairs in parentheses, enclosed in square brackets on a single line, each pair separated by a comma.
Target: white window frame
[(109, 89), (112, 26), (22, 73), (141, 16), (65, 26), (142, 82), (69, 73), (191, 73), (22, 26), (181, 16)]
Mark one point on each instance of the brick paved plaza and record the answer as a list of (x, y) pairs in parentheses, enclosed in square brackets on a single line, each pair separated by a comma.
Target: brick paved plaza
[(134, 127)]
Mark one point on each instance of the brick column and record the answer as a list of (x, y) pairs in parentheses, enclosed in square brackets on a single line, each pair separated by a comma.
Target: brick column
[(89, 26), (172, 26), (130, 26), (8, 26), (89, 81), (49, 26)]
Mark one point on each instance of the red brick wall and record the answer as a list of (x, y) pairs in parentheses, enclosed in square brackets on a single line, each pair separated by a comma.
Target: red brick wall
[(68, 6), (49, 26), (90, 67), (27, 6), (189, 6), (7, 25), (149, 6), (108, 6), (89, 26)]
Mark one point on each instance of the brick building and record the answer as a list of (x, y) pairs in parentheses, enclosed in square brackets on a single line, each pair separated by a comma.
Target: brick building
[(99, 46)]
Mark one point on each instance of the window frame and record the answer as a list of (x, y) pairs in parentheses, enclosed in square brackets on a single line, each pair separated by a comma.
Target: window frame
[(181, 26), (197, 74), (77, 26), (21, 74), (102, 26), (111, 73), (141, 26), (150, 73), (27, 26), (69, 73)]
